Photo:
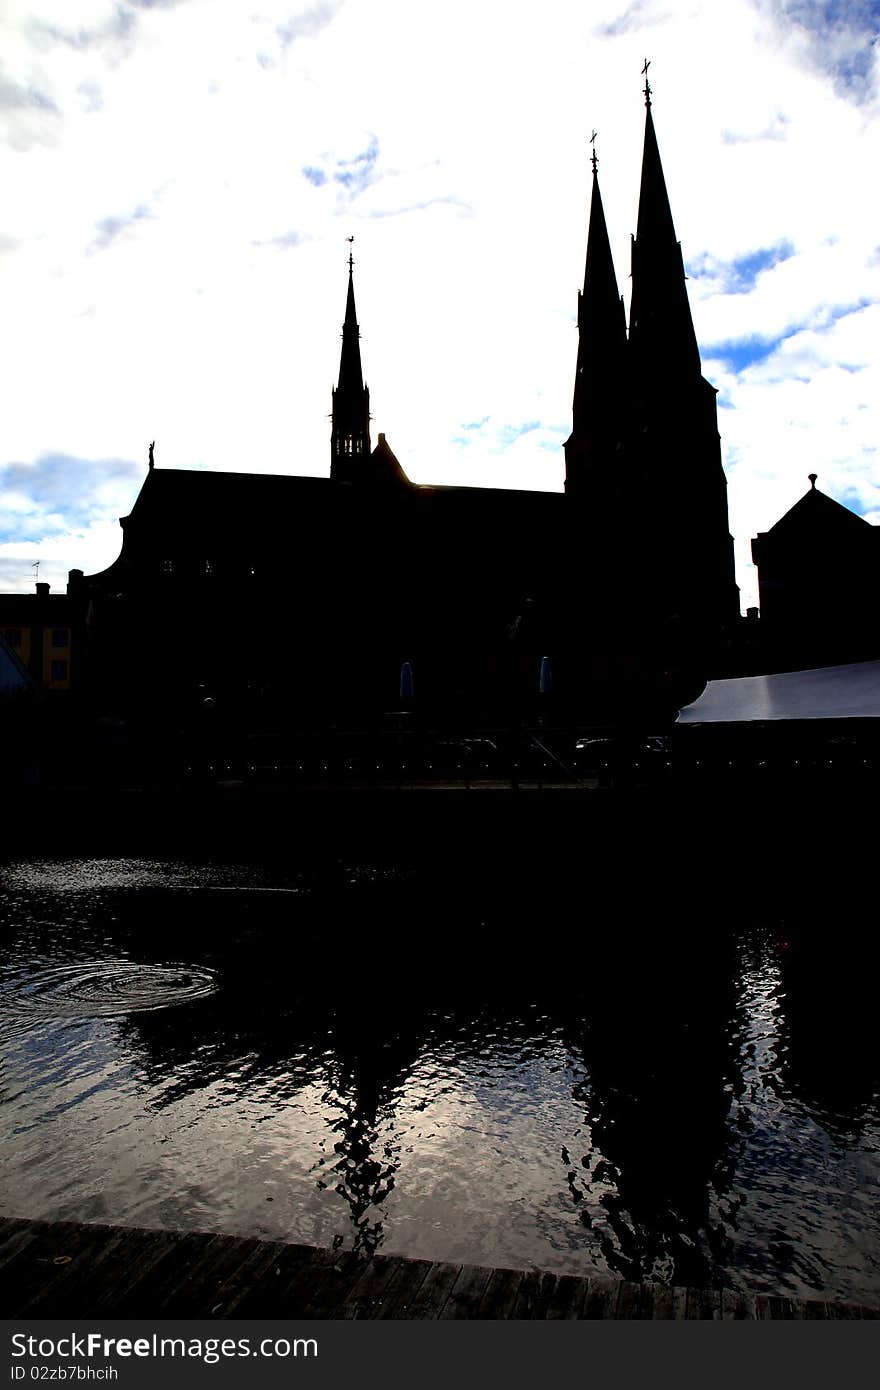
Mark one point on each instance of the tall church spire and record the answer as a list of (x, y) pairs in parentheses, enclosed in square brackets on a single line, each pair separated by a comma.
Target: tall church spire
[(661, 328), (675, 451), (599, 375), (350, 436)]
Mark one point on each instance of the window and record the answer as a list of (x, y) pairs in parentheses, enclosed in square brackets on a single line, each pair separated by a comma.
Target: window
[(59, 637), (209, 567), (58, 671), (167, 566)]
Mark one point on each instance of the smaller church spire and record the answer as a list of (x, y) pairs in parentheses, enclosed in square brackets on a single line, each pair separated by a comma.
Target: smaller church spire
[(350, 374), (601, 348), (601, 318), (350, 436)]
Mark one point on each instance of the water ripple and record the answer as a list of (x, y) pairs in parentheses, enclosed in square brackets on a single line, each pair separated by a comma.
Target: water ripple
[(102, 989)]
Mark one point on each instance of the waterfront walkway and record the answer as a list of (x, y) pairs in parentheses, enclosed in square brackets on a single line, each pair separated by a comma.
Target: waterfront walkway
[(68, 1269)]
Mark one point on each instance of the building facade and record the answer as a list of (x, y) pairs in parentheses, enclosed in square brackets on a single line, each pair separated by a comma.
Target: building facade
[(643, 461), (314, 593), (819, 584), (41, 629)]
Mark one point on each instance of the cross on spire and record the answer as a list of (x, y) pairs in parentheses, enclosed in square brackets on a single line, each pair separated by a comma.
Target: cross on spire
[(350, 240), (593, 159), (647, 83)]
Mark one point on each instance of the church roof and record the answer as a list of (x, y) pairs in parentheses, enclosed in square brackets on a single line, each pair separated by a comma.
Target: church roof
[(272, 521), (196, 504), (817, 513)]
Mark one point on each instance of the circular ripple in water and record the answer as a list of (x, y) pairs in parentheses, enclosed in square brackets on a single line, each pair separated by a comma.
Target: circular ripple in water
[(99, 989)]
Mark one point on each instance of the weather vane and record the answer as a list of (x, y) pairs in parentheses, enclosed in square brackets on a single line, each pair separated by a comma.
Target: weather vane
[(647, 83), (593, 160), (350, 240)]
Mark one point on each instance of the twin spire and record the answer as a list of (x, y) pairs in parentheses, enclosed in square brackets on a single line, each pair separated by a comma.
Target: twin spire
[(659, 313), (661, 337), (661, 342)]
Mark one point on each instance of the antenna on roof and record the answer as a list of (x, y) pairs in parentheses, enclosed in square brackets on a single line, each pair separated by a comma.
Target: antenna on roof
[(36, 566), (152, 447)]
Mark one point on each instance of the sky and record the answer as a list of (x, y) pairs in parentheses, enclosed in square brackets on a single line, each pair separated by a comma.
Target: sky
[(180, 178)]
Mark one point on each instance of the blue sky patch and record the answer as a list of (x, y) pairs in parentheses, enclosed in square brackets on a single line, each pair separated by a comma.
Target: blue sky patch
[(314, 175), (64, 491), (842, 36), (852, 498), (283, 242), (508, 433), (357, 173), (741, 274), (108, 229), (739, 353)]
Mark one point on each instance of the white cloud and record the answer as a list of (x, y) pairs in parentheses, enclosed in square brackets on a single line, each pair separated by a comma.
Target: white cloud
[(170, 271)]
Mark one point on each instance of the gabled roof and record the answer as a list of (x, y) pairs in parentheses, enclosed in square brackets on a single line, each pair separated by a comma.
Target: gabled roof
[(817, 513), (385, 466)]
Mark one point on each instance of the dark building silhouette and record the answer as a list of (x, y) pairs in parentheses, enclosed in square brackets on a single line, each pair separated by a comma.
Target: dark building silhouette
[(41, 629), (819, 583), (310, 594), (643, 461)]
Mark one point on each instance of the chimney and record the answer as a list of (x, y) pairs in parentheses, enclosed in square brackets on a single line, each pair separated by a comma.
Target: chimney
[(42, 590)]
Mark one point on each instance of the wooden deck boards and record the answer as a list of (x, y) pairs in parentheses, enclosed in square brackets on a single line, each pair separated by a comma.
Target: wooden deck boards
[(69, 1269)]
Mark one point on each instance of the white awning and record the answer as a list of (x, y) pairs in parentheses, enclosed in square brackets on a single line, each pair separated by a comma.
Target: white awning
[(831, 692)]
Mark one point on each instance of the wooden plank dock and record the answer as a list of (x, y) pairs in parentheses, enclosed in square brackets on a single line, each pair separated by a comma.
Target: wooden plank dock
[(70, 1269)]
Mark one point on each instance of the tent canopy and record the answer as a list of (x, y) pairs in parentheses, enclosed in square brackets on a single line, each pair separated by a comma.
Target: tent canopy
[(831, 692)]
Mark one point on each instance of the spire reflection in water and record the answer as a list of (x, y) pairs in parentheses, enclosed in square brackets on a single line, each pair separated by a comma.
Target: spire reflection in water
[(638, 1097)]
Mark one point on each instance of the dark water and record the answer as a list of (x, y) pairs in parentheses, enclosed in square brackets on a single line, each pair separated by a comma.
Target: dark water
[(370, 1060)]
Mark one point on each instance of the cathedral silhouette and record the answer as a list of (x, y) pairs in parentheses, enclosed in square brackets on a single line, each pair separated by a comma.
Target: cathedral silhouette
[(338, 596)]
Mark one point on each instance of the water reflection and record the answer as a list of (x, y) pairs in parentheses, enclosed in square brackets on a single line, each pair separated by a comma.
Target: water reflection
[(833, 1069), (660, 1067), (371, 1067), (243, 1048)]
